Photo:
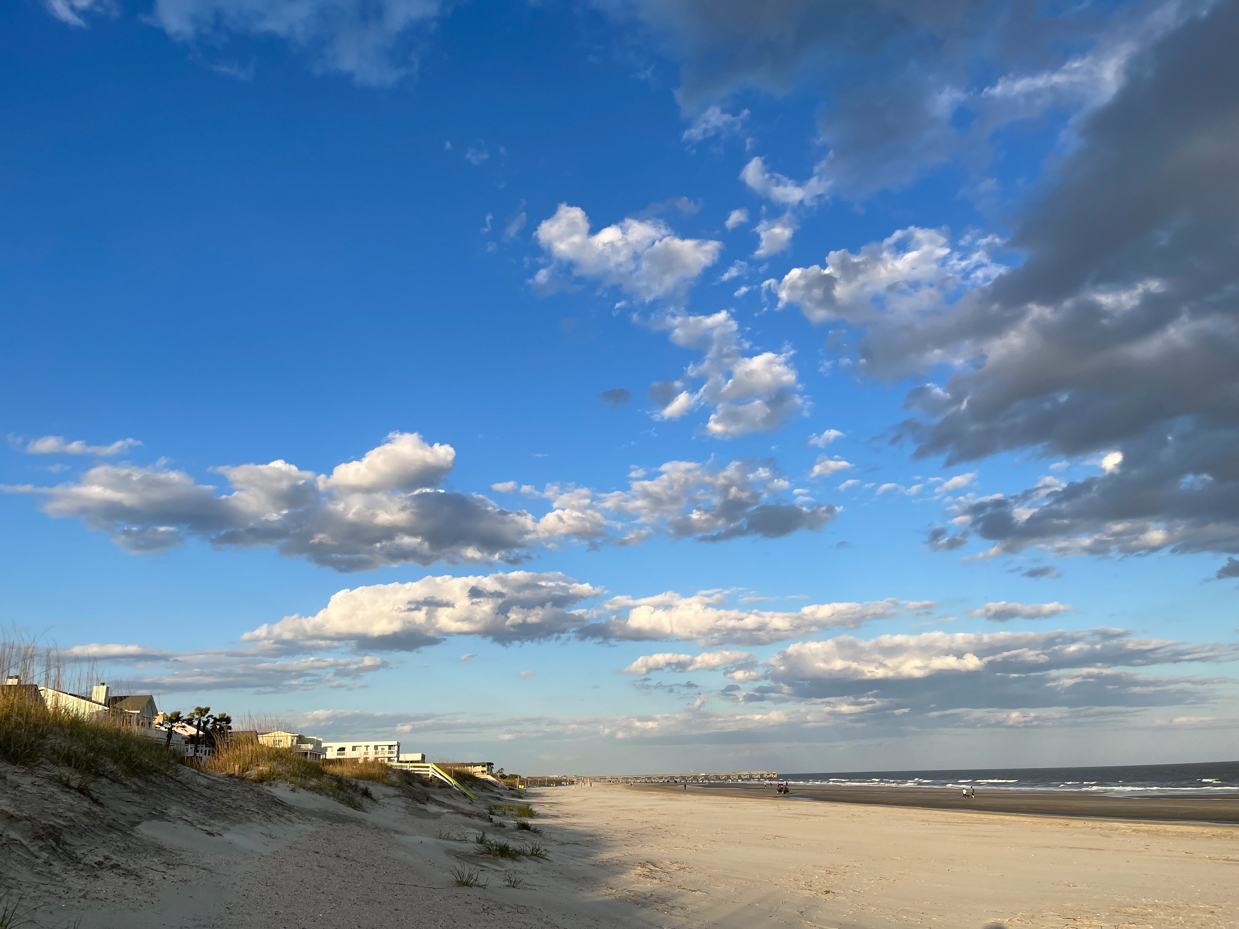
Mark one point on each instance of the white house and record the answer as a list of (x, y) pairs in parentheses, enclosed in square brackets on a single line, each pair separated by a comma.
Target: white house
[(363, 751)]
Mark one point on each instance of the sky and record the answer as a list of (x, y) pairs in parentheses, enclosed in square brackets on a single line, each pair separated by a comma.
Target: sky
[(632, 386)]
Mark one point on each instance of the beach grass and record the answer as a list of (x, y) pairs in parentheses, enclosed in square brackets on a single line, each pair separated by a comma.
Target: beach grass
[(519, 810), (358, 770), (33, 733), (468, 877), (266, 764)]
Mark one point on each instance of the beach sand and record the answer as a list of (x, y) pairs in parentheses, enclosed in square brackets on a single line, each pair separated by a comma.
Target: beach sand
[(218, 853)]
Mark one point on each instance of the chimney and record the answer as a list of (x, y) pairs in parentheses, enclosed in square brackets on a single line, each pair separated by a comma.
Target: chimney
[(100, 693)]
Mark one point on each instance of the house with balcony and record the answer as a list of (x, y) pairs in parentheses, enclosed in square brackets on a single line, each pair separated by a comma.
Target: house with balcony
[(359, 750), (307, 746)]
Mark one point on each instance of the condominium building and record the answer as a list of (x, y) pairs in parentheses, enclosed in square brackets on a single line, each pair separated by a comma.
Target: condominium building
[(363, 751)]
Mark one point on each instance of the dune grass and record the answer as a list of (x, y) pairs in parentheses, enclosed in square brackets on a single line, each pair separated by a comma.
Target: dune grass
[(377, 771), (268, 765), (518, 810), (32, 733)]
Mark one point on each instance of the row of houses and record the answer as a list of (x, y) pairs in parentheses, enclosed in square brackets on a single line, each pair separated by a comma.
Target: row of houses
[(316, 749), (140, 712)]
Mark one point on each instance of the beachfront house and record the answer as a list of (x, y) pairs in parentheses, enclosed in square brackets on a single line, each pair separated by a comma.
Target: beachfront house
[(307, 746), (363, 751), (412, 757), (137, 710), (476, 768)]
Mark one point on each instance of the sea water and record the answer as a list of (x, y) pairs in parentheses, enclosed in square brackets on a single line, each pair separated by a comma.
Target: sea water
[(1210, 777)]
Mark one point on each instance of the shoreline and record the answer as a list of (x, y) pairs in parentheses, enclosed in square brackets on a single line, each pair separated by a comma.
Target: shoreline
[(1217, 810)]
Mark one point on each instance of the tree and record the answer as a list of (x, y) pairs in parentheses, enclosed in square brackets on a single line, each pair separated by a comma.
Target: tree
[(170, 720), (201, 719), (221, 727)]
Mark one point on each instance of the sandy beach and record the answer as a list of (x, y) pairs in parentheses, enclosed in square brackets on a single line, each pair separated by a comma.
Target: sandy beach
[(220, 852)]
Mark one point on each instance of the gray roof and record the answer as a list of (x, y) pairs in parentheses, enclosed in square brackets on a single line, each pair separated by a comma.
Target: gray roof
[(133, 703)]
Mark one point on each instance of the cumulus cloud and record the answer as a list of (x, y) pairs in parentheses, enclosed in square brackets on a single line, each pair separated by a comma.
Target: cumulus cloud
[(736, 218), (380, 510), (996, 670), (748, 393), (826, 466), (640, 256), (706, 661), (774, 235), (1230, 569), (712, 504), (782, 190), (706, 618), (56, 445), (1003, 612), (518, 606), (1113, 339), (822, 439), (912, 275)]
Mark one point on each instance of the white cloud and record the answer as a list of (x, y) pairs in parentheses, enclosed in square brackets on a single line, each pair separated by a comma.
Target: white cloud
[(72, 11), (826, 466), (999, 669), (775, 235), (749, 393), (1001, 611), (641, 257), (516, 225), (821, 440), (737, 269), (780, 189), (715, 121), (56, 445), (516, 606), (736, 218), (403, 462), (467, 656), (379, 510), (706, 618), (707, 661), (909, 274), (366, 39), (958, 482)]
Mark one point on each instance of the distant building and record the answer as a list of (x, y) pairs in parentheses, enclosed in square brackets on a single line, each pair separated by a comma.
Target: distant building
[(412, 757), (476, 768), (363, 751), (307, 746)]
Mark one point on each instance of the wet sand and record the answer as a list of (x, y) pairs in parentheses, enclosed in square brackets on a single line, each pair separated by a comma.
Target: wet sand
[(1195, 808)]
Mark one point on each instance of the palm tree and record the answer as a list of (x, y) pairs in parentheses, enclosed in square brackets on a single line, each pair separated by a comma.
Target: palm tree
[(222, 727), (170, 720), (199, 718)]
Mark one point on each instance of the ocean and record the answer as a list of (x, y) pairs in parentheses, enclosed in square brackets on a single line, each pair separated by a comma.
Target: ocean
[(1210, 777)]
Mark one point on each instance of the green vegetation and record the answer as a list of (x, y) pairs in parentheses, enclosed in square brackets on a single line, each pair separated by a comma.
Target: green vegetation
[(468, 877), (512, 880), (528, 826), (31, 733), (268, 765), (521, 810), (496, 848), (376, 771)]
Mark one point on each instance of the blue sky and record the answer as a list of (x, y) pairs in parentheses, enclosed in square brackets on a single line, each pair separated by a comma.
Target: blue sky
[(812, 386)]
